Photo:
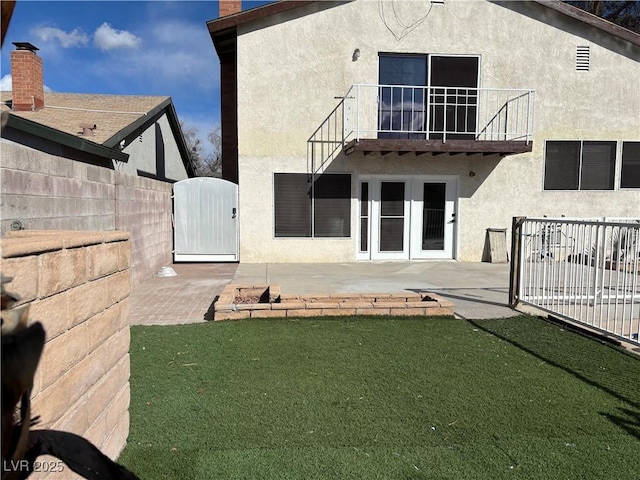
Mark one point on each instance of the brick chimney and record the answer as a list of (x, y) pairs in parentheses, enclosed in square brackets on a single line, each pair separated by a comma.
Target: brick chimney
[(229, 7), (26, 78)]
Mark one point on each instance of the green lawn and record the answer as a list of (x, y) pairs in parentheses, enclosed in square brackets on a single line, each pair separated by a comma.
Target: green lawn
[(381, 398)]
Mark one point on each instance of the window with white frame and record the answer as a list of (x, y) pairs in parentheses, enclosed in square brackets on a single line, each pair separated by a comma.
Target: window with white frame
[(630, 173), (579, 165), (312, 206)]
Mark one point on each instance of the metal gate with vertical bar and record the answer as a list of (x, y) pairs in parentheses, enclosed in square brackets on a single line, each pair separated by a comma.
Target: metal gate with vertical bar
[(205, 213), (585, 271)]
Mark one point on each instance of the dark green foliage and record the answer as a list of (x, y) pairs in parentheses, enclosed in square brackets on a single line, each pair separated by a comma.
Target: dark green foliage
[(380, 398)]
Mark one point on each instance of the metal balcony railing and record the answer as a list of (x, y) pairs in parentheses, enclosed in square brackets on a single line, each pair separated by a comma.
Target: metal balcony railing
[(428, 113)]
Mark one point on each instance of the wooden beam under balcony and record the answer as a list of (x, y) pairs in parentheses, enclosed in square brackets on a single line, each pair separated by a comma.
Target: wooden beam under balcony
[(370, 146)]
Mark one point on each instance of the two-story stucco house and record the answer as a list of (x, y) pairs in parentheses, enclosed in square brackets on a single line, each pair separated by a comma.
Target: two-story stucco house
[(382, 130)]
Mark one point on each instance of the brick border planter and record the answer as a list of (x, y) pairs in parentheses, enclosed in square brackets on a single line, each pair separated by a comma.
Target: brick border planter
[(233, 304)]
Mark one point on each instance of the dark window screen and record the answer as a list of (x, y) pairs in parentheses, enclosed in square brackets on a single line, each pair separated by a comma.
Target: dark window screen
[(630, 165), (454, 71), (332, 205), (598, 165), (292, 204), (562, 166)]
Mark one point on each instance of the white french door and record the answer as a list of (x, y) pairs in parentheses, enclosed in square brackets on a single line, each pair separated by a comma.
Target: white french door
[(403, 218)]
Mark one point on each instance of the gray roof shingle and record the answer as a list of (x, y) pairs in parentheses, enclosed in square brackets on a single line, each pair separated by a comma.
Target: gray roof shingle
[(110, 113)]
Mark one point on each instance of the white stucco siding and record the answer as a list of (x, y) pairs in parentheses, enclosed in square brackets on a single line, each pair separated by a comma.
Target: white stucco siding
[(514, 188), (257, 226), (290, 71)]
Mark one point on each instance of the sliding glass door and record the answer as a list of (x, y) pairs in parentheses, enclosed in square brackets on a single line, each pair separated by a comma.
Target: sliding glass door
[(427, 96)]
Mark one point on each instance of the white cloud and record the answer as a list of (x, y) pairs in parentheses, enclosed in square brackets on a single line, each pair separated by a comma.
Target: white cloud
[(74, 38), (168, 62), (6, 85), (108, 38)]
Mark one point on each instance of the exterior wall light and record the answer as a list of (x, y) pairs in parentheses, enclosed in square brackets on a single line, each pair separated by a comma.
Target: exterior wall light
[(356, 55)]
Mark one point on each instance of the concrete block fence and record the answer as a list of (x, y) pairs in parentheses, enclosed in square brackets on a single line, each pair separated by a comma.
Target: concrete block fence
[(44, 191), (144, 209), (78, 287)]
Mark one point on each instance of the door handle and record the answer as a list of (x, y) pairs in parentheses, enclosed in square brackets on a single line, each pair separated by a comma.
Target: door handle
[(234, 212)]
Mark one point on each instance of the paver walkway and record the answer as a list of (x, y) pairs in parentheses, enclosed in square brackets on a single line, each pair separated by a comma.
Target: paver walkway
[(186, 298)]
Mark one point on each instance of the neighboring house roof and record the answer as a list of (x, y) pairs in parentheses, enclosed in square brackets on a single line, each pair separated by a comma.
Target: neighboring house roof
[(229, 23), (115, 117)]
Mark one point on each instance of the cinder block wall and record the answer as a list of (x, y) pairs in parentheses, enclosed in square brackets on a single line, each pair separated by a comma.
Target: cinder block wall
[(144, 209), (49, 192), (78, 286)]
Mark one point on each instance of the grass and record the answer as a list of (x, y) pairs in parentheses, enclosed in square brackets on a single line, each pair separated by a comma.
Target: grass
[(381, 398)]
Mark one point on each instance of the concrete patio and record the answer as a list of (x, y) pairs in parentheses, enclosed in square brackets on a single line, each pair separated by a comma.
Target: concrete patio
[(478, 290)]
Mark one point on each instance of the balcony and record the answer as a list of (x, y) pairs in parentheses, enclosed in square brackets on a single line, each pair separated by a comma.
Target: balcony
[(419, 120)]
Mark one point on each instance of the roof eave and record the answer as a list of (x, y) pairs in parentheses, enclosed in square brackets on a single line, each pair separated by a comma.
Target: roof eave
[(63, 138), (592, 20), (140, 122), (172, 116), (230, 22)]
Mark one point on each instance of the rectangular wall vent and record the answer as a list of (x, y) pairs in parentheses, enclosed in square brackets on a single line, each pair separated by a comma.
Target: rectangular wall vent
[(582, 59)]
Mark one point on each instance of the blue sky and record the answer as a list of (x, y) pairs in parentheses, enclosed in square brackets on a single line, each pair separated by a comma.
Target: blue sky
[(123, 47)]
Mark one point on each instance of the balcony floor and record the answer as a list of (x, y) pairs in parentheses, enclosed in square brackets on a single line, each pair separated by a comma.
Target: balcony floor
[(373, 146)]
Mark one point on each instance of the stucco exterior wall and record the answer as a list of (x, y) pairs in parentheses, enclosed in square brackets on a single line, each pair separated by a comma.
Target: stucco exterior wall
[(290, 71)]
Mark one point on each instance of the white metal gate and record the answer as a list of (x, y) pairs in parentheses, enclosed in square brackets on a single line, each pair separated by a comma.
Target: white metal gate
[(205, 220), (586, 271)]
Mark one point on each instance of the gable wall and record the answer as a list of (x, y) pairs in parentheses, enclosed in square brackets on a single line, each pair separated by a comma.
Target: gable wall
[(154, 152), (290, 72)]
